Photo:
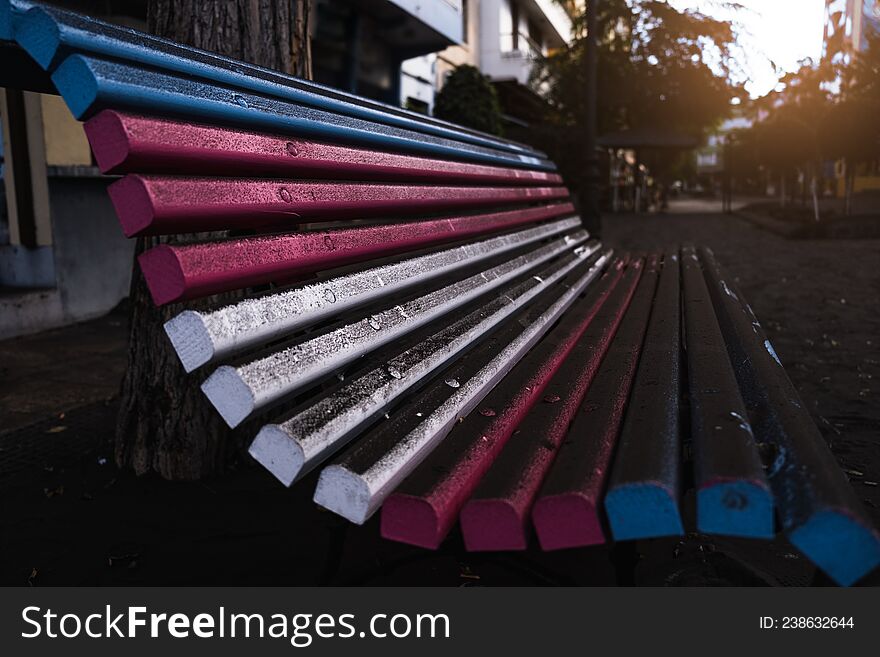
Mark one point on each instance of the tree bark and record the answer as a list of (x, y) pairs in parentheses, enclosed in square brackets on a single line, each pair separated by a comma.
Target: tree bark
[(165, 423)]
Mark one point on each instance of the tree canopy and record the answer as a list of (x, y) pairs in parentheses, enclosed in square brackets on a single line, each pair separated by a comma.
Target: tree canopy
[(660, 70), (469, 99)]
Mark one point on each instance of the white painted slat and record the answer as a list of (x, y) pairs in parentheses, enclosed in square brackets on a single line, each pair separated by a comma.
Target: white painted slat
[(357, 492), (237, 391), (201, 337), (293, 446)]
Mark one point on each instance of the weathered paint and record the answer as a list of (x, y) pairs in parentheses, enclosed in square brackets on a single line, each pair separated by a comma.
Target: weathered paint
[(188, 271), (125, 143), (424, 508), (498, 514), (818, 509), (291, 446), (733, 496), (51, 34), (236, 391), (567, 511), (355, 485), (203, 336), (645, 484), (89, 85), (157, 205)]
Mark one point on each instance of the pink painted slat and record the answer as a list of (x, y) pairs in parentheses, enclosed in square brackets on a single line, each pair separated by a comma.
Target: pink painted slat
[(179, 272), (567, 511), (497, 517), (425, 506), (160, 205), (125, 143)]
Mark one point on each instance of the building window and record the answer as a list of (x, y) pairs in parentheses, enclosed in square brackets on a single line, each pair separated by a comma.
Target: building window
[(508, 24)]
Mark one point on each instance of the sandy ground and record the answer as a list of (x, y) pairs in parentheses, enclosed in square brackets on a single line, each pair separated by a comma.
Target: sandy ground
[(68, 517)]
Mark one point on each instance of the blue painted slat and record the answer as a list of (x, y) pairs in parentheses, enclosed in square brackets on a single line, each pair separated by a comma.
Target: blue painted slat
[(7, 8), (818, 509), (51, 34), (733, 496), (89, 85), (644, 490)]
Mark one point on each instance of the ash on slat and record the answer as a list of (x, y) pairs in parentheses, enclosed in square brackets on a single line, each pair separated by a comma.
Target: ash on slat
[(124, 143), (356, 484), (733, 496), (176, 272), (817, 507), (645, 483), (160, 205), (567, 511), (238, 391), (498, 514), (290, 447), (425, 506), (200, 337)]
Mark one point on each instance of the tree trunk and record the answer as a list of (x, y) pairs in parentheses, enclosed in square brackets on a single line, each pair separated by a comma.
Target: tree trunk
[(165, 423)]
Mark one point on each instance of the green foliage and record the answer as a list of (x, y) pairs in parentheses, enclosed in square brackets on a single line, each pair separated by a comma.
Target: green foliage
[(823, 111), (660, 70), (469, 99)]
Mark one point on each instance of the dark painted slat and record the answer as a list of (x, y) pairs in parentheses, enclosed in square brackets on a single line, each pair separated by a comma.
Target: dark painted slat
[(645, 484), (567, 511), (497, 516), (817, 507), (733, 496), (425, 506)]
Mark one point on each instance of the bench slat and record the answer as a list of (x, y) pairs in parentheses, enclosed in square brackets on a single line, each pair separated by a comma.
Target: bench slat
[(125, 143), (733, 496), (818, 508), (645, 484), (425, 506), (50, 34), (189, 271), (238, 391), (292, 446), (567, 511), (89, 85), (498, 515), (200, 337), (159, 205), (356, 484)]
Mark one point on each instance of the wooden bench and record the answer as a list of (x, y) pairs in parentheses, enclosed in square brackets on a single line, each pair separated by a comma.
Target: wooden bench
[(441, 336)]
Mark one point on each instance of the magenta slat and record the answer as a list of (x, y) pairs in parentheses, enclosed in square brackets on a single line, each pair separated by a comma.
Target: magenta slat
[(425, 506), (161, 205), (497, 516), (567, 511), (179, 272), (125, 143)]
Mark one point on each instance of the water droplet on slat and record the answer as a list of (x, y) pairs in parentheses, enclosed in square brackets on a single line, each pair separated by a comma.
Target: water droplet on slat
[(393, 371), (551, 399), (487, 412), (452, 383)]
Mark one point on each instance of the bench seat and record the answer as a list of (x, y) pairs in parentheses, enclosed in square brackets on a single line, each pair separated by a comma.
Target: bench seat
[(420, 314)]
